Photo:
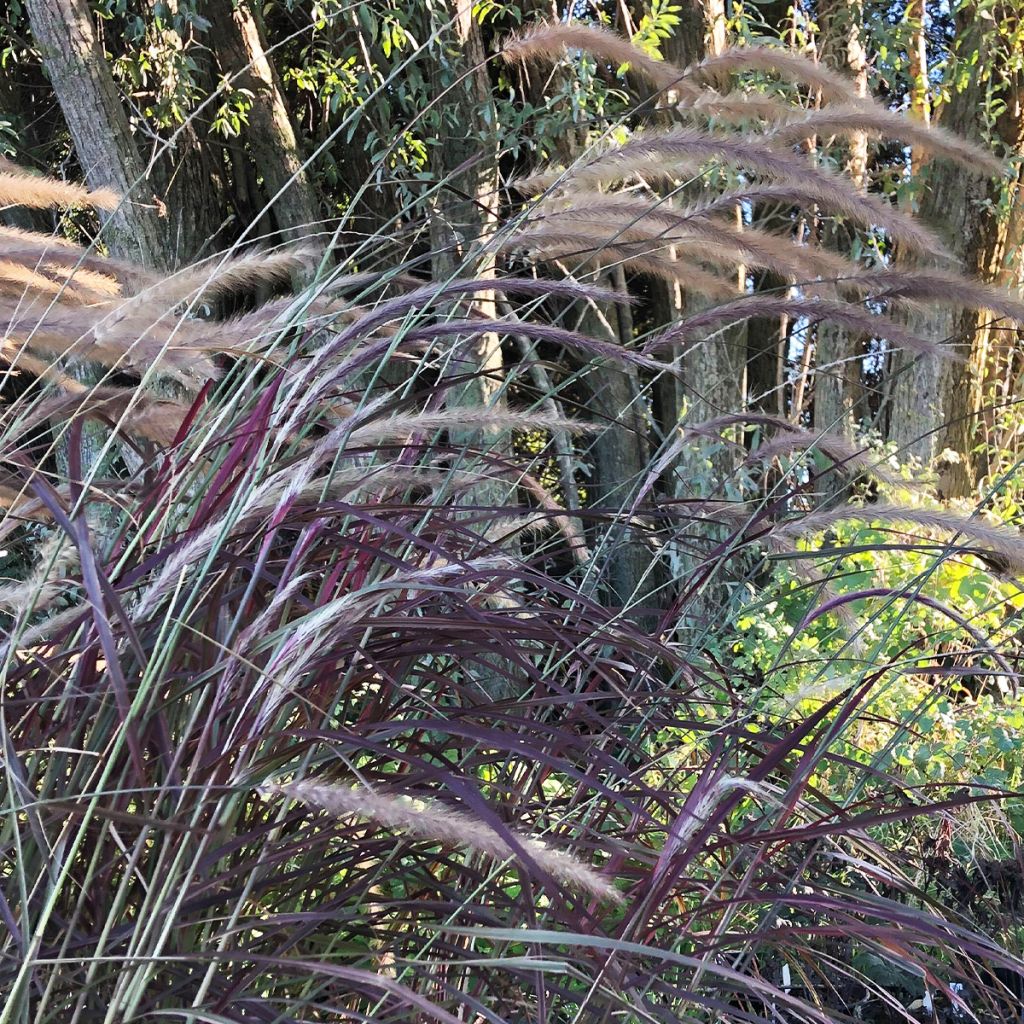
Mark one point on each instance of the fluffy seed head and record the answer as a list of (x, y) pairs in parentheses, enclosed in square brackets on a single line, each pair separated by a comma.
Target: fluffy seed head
[(430, 821)]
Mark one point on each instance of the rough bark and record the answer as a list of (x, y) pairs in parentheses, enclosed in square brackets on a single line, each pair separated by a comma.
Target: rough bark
[(619, 457), (64, 33), (714, 370), (766, 343), (465, 172), (935, 403), (920, 104), (463, 212), (1001, 348), (74, 62), (188, 176), (838, 391), (270, 136), (684, 47), (992, 340)]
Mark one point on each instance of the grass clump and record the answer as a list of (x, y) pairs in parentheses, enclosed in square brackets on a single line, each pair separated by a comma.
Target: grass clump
[(297, 561)]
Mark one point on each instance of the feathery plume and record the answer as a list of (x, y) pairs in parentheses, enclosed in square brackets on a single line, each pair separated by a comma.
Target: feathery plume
[(815, 310), (125, 335), (35, 250), (697, 810), (400, 427), (695, 279), (19, 188), (848, 457), (939, 287), (1002, 541), (847, 454), (872, 119), (18, 280), (731, 419), (501, 528), (352, 608), (661, 156), (737, 106), (217, 276), (30, 638), (651, 256), (158, 420), (533, 329), (431, 821), (789, 66), (550, 40), (400, 306), (829, 197), (57, 557), (97, 285), (77, 287), (620, 220), (19, 358)]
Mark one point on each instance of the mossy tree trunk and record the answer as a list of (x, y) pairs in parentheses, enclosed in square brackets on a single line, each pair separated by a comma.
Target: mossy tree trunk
[(185, 170)]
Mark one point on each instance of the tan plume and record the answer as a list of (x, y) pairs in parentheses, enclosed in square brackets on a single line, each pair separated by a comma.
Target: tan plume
[(19, 188), (550, 40), (815, 310), (738, 106), (662, 156), (848, 457), (789, 66), (871, 119), (57, 557), (220, 276), (35, 250), (621, 219), (397, 428), (142, 415), (939, 287), (1002, 541), (653, 258), (433, 822)]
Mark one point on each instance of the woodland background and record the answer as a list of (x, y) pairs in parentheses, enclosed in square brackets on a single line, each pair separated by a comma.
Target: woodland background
[(234, 122)]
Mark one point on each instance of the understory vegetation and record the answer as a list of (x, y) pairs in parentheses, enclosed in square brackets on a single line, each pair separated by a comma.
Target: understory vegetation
[(457, 608)]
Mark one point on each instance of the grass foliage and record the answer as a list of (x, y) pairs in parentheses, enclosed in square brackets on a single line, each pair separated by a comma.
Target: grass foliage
[(316, 705)]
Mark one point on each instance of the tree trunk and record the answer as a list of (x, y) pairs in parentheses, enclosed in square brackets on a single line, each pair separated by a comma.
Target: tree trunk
[(270, 136), (684, 47), (464, 212), (766, 342), (619, 458), (838, 392), (714, 370), (137, 230), (968, 389), (465, 171), (935, 403), (920, 103), (187, 178), (1001, 346), (64, 32)]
